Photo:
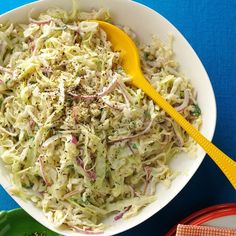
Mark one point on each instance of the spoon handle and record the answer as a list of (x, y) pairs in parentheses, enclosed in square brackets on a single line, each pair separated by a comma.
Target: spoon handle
[(224, 162)]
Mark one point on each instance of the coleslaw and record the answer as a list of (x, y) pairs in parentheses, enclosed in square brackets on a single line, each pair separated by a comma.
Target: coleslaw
[(80, 142)]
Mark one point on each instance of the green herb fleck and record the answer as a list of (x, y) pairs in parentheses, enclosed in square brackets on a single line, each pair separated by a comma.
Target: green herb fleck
[(147, 114), (28, 186), (71, 167), (31, 138), (146, 56), (181, 94), (196, 111)]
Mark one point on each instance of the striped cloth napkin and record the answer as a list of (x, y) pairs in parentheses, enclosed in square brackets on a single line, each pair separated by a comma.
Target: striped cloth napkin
[(194, 230)]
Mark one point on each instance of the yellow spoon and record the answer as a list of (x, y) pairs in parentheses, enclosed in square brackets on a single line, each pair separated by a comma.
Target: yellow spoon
[(131, 64)]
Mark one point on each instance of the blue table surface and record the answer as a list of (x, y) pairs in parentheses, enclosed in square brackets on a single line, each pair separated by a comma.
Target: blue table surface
[(209, 26)]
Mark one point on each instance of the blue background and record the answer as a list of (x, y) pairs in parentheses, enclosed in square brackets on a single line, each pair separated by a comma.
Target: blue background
[(209, 26)]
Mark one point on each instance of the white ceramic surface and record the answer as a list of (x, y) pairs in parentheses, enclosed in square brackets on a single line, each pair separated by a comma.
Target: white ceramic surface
[(223, 222), (145, 22)]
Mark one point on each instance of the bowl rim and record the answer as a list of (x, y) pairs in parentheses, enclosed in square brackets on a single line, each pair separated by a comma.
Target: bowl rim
[(210, 133)]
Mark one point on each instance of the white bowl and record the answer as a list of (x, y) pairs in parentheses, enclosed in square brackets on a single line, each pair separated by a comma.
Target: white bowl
[(145, 22)]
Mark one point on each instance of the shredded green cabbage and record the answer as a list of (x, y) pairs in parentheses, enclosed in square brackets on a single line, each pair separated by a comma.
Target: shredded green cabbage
[(78, 140)]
